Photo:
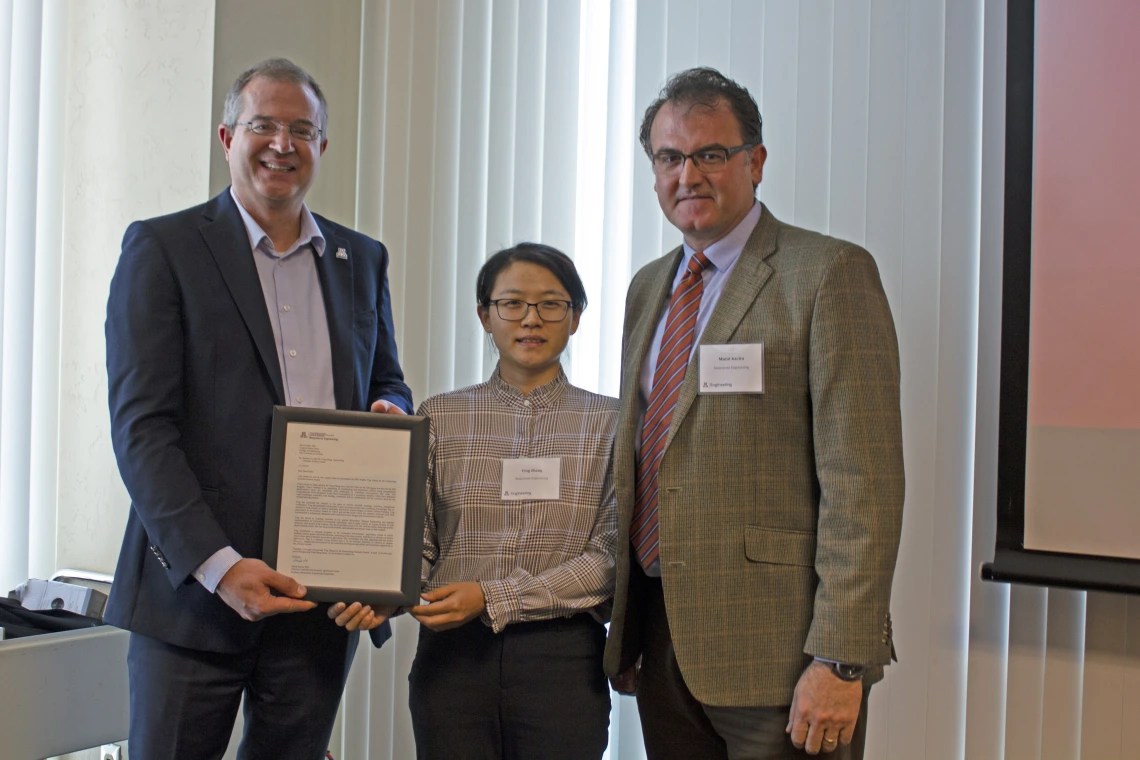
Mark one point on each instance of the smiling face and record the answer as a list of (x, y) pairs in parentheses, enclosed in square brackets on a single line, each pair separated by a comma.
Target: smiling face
[(704, 207), (271, 175), (529, 350)]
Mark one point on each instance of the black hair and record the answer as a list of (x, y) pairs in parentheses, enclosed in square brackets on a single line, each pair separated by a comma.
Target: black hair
[(555, 261), (705, 86)]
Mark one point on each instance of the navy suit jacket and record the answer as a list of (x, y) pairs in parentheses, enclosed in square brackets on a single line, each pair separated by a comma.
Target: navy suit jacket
[(193, 376)]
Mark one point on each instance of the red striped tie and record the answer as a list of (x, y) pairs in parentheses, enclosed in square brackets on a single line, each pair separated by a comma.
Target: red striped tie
[(672, 359)]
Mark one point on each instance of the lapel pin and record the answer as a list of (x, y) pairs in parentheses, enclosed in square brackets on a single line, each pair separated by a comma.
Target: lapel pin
[(341, 253)]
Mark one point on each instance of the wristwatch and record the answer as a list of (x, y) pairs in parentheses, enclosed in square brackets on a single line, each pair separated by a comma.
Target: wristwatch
[(849, 673)]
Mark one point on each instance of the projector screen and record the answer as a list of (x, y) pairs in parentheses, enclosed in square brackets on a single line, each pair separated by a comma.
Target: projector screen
[(1069, 454)]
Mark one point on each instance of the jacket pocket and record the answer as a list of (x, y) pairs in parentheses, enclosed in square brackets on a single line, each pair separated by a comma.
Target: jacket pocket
[(779, 547)]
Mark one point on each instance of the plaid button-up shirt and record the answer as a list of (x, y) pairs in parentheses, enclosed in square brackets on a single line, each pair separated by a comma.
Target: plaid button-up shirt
[(534, 559)]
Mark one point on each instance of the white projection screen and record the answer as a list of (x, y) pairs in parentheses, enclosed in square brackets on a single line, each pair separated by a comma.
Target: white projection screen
[(1069, 455)]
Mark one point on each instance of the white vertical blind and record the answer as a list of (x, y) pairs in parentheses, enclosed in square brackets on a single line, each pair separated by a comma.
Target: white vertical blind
[(1028, 617), (47, 305), (589, 203), (18, 286), (13, 520), (1064, 675), (621, 151), (989, 602), (469, 250)]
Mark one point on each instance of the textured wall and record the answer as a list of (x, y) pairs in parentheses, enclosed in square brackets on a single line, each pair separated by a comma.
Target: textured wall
[(137, 144)]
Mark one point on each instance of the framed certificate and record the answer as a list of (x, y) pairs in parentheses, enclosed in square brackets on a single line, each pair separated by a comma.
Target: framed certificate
[(344, 511)]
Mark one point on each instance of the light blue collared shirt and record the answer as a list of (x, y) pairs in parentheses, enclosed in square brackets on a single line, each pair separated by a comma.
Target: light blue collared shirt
[(723, 255), (296, 306)]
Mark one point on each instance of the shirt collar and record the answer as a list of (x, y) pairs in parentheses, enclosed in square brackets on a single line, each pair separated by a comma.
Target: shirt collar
[(540, 398), (724, 252), (258, 239)]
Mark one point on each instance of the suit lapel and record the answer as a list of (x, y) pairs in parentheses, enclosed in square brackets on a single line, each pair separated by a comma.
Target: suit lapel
[(647, 299), (641, 335), (228, 242), (740, 292), (336, 287)]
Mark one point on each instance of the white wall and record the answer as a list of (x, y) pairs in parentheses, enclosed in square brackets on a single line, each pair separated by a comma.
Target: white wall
[(136, 144)]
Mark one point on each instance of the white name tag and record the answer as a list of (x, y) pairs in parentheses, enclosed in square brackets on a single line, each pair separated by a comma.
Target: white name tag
[(732, 368), (531, 478)]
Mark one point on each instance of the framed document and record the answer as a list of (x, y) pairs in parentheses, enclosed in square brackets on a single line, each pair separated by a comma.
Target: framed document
[(344, 511)]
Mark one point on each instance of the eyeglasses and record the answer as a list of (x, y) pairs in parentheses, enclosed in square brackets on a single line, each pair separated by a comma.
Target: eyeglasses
[(707, 160), (268, 128), (514, 310)]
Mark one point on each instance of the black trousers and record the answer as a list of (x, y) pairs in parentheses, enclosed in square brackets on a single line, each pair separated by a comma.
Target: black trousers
[(536, 691), (184, 701), (678, 727)]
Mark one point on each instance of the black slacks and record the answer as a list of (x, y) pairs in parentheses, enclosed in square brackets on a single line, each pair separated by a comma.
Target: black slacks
[(184, 701), (678, 727), (536, 691)]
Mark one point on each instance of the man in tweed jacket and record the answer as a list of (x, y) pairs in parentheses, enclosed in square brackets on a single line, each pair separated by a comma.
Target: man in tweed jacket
[(756, 555)]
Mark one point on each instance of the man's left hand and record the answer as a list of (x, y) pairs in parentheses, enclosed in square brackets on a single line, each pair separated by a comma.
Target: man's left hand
[(825, 709), (451, 606), (386, 407)]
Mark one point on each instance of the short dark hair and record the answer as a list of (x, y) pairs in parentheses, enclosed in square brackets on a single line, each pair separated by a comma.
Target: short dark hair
[(555, 261), (278, 70), (704, 86)]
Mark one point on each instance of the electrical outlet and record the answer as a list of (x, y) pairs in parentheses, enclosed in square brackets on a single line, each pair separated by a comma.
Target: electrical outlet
[(110, 752)]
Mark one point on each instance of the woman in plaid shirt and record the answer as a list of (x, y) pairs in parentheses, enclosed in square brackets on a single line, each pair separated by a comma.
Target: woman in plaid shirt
[(519, 536)]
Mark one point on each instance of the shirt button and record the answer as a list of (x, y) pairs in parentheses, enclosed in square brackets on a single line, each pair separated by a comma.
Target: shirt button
[(298, 399), (286, 308), (526, 403), (201, 577), (293, 353)]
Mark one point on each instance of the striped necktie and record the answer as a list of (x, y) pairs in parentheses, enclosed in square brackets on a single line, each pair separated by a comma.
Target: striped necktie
[(672, 360)]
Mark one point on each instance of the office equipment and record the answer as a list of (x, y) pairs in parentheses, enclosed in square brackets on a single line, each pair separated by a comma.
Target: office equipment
[(63, 692)]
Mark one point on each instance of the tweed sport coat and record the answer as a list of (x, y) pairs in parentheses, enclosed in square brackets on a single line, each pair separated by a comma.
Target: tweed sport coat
[(779, 513)]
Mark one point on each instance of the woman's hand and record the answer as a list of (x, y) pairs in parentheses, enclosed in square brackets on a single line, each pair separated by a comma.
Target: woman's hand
[(359, 617), (450, 606)]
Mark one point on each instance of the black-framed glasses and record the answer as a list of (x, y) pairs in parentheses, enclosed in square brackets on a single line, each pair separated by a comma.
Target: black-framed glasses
[(514, 309), (708, 160), (302, 130)]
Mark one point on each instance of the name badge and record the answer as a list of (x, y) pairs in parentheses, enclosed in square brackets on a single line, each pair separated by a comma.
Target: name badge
[(732, 368), (531, 478)]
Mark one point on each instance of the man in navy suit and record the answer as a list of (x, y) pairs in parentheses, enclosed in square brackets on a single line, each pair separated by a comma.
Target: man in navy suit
[(216, 314)]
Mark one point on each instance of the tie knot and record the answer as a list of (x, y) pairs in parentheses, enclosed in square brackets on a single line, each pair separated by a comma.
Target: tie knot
[(699, 263)]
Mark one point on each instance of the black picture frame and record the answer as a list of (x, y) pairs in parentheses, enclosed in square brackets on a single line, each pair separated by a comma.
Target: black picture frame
[(411, 561)]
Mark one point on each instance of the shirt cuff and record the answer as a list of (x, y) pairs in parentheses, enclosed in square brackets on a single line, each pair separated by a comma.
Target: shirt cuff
[(502, 603), (211, 572)]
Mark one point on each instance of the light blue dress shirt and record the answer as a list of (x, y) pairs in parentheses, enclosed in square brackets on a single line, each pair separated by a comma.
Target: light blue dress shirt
[(296, 306)]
